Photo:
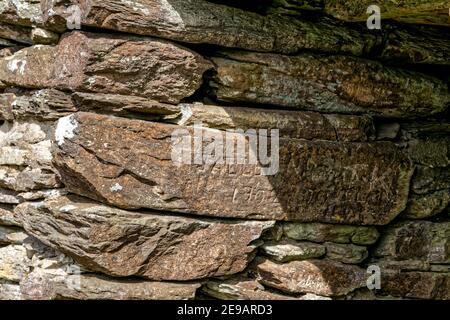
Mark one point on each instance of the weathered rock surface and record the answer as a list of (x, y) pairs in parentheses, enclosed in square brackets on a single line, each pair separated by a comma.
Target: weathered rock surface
[(417, 44), (25, 157), (108, 64), (10, 291), (201, 21), (428, 11), (15, 33), (21, 12), (431, 152), (319, 232), (293, 124), (346, 253), (42, 36), (11, 235), (13, 262), (321, 277), (51, 104), (36, 286), (288, 250), (243, 288), (429, 179), (424, 206), (158, 247), (419, 285), (328, 84), (128, 163), (7, 217), (424, 240), (240, 288)]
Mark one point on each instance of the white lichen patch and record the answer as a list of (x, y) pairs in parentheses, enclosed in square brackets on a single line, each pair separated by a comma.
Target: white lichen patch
[(17, 65), (116, 188), (65, 129)]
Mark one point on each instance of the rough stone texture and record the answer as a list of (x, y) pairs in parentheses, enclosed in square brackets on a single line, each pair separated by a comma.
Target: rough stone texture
[(244, 288), (287, 250), (293, 124), (419, 285), (328, 84), (199, 21), (418, 44), (108, 64), (346, 253), (16, 33), (13, 262), (319, 232), (48, 274), (10, 291), (38, 286), (423, 11), (429, 179), (42, 36), (416, 240), (431, 152), (136, 157), (10, 235), (20, 12), (155, 246), (240, 288), (42, 105), (362, 116), (321, 277), (25, 157), (424, 206), (51, 104)]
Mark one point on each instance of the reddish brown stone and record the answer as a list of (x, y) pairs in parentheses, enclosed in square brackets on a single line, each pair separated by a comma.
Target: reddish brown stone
[(146, 244), (328, 84), (128, 163), (321, 277), (108, 64)]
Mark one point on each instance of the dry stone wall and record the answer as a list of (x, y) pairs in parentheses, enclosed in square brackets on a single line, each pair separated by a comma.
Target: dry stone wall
[(94, 206)]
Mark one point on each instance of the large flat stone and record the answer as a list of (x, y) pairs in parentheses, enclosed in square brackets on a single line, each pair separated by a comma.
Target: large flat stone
[(108, 64), (199, 21), (128, 163), (321, 277), (293, 124), (328, 84), (36, 286), (51, 104), (240, 288), (150, 245)]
